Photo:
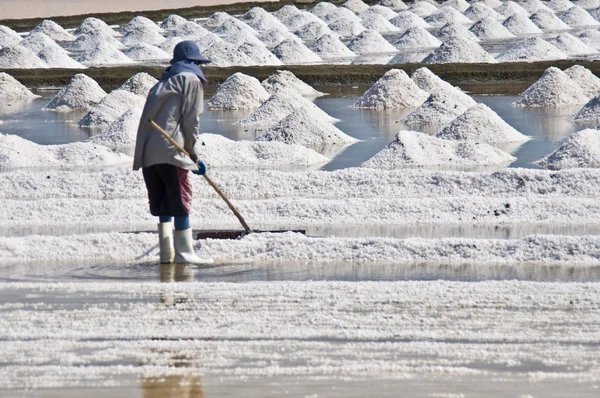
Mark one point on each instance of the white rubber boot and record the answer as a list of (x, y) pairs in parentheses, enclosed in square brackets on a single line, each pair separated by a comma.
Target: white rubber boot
[(184, 249), (165, 238)]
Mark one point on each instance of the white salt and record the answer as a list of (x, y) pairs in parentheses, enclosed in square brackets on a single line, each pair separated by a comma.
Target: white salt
[(532, 6), (422, 9), (19, 57), (54, 31), (296, 21), (590, 112), (88, 42), (589, 82), (406, 20), (340, 13), (577, 17), (559, 5), (520, 25), (379, 9), (323, 8), (92, 25), (459, 50), (286, 12), (169, 44), (56, 57), (415, 149), (393, 90), (510, 8), (370, 41), (188, 30), (207, 41), (140, 23), (571, 45), (459, 5), (439, 109), (446, 14), (531, 49), (378, 23), (260, 54), (172, 22), (216, 20), (260, 20), (273, 37), (346, 28), (284, 80), (582, 149), (121, 134), (453, 30), (293, 51), (417, 38), (356, 6), (9, 37), (139, 84), (490, 29), (226, 54), (36, 41), (110, 108), (11, 88), (238, 92), (430, 82), (481, 124), (237, 32), (104, 54), (553, 89), (82, 93), (591, 38), (595, 13), (146, 52), (141, 35), (588, 4), (493, 4), (547, 20), (330, 46), (312, 31), (396, 5), (479, 11)]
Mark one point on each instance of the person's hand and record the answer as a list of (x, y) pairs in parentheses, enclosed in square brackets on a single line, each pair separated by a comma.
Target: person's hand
[(194, 157), (201, 168)]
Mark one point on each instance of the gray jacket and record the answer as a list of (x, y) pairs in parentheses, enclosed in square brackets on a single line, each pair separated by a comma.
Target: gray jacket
[(174, 104)]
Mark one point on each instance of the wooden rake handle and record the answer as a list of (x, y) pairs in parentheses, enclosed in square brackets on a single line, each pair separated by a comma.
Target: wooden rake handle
[(207, 178)]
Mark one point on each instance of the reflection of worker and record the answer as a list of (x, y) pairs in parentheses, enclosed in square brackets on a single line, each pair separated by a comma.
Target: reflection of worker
[(175, 104), (172, 387)]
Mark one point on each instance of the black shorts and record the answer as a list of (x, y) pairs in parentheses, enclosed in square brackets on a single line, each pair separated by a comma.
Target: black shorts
[(169, 190)]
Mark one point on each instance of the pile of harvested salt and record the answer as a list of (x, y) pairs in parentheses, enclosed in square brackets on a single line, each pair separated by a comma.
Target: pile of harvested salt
[(346, 28), (17, 152), (395, 5), (169, 44), (11, 88), (284, 80), (532, 6), (571, 45), (239, 91), (378, 23), (590, 113), (582, 149), (379, 9), (548, 20), (260, 54), (591, 38), (226, 54), (286, 12), (293, 51), (370, 41), (215, 20), (577, 17), (218, 151), (356, 6), (428, 81), (94, 26), (312, 31), (82, 93), (139, 84), (493, 4), (121, 134), (236, 32), (417, 38), (141, 35), (422, 9), (511, 8), (104, 54), (208, 40), (36, 41), (453, 30), (90, 41), (554, 89), (459, 50), (330, 46), (54, 31), (9, 37), (481, 124), (520, 25), (146, 52), (489, 28), (273, 37), (439, 109), (588, 4), (188, 30), (531, 49), (56, 57), (393, 90), (19, 57), (559, 5), (585, 78), (459, 5), (139, 23), (415, 149), (302, 18), (110, 108), (446, 14), (479, 11), (339, 14), (172, 22), (406, 20), (323, 8)]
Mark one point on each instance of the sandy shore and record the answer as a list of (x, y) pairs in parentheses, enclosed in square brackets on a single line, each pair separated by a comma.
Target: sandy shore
[(18, 9)]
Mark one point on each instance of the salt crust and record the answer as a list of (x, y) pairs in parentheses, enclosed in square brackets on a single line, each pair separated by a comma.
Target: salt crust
[(481, 124), (459, 50), (188, 29), (453, 30), (8, 37), (220, 152), (260, 54), (239, 91), (146, 52), (273, 37), (547, 20), (378, 23), (293, 51), (446, 14), (330, 46), (590, 113), (459, 5), (172, 22), (356, 6), (139, 84), (141, 35), (395, 5), (406, 20), (140, 23), (577, 17), (104, 54), (215, 20), (260, 20), (582, 149), (323, 8), (19, 57), (439, 109), (588, 4), (571, 45), (116, 103), (489, 28), (479, 11), (346, 28), (417, 37), (585, 79), (520, 25), (340, 13), (370, 41), (302, 18), (94, 26), (422, 9), (284, 80), (379, 9), (54, 31), (82, 93), (531, 49), (553, 89), (393, 90), (121, 134), (226, 54), (11, 88), (56, 57), (430, 82), (415, 149), (559, 5), (591, 38), (510, 8), (312, 31), (17, 152)]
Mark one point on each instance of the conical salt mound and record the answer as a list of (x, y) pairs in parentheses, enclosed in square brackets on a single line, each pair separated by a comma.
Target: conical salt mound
[(260, 20), (146, 52), (11, 88), (226, 54), (346, 28), (54, 31), (459, 50), (110, 108), (235, 32), (9, 37), (590, 113), (140, 23), (293, 51), (444, 15), (19, 57), (585, 78), (406, 20), (422, 9), (90, 41), (273, 37), (577, 17), (489, 28), (190, 30), (493, 4), (56, 57), (588, 4), (532, 6), (95, 26), (439, 109), (104, 54), (510, 8), (260, 54), (531, 49), (520, 25), (395, 5), (559, 5), (238, 92), (453, 30), (356, 6), (459, 5), (379, 9), (329, 46), (312, 31), (323, 8), (139, 35), (479, 11), (376, 22), (36, 41), (553, 89), (582, 149), (481, 124), (216, 20), (341, 13), (393, 90), (415, 149), (571, 45), (417, 38), (284, 80), (139, 84), (172, 22), (120, 135), (302, 18), (547, 20), (370, 41), (430, 82), (82, 93), (591, 38)]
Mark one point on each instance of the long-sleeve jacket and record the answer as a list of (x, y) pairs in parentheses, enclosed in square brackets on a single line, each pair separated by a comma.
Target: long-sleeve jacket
[(175, 104)]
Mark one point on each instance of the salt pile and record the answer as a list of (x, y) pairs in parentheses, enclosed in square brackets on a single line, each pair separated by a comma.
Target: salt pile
[(218, 151), (9, 37), (489, 28), (104, 54), (207, 41), (273, 37), (554, 89), (582, 149), (286, 12), (216, 20), (82, 93), (146, 52), (312, 31), (56, 57), (300, 19), (532, 6), (459, 5), (396, 5), (571, 45), (590, 113), (284, 80), (139, 23), (370, 41), (346, 28), (393, 90), (585, 78), (323, 8), (172, 22), (121, 134), (510, 8), (417, 38), (356, 6), (422, 9), (53, 30), (141, 35), (236, 32), (378, 23), (37, 41), (531, 49), (226, 54), (406, 20), (428, 81), (591, 38), (453, 30), (11, 88), (520, 25), (139, 84), (481, 124), (17, 152), (459, 50), (548, 20), (110, 108), (415, 149), (260, 54), (239, 91), (379, 9), (330, 46), (94, 26), (577, 17), (19, 57), (559, 5), (339, 14), (293, 51), (588, 4), (90, 41), (446, 14), (169, 44), (188, 30), (479, 11), (493, 4), (260, 20), (439, 109)]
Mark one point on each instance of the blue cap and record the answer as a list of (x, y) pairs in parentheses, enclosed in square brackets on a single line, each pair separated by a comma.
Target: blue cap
[(188, 50)]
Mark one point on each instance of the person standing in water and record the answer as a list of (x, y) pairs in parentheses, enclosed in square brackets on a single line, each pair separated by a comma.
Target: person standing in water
[(175, 104)]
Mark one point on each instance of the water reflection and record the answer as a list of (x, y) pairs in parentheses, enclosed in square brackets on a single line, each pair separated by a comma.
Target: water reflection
[(172, 387)]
